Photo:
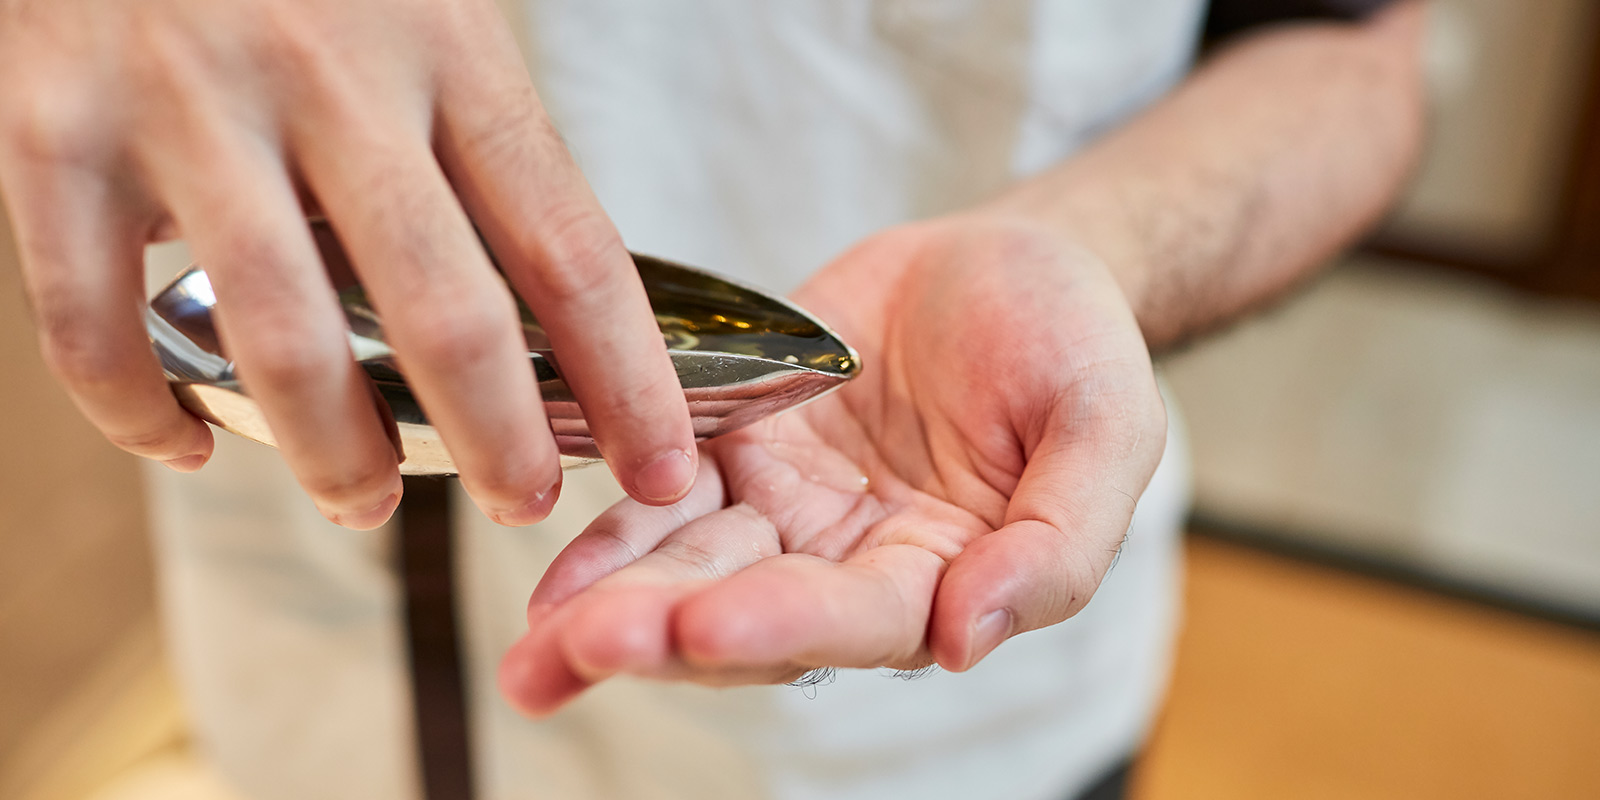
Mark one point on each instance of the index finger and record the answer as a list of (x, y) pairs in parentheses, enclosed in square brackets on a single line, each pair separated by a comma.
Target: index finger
[(560, 251), (82, 261)]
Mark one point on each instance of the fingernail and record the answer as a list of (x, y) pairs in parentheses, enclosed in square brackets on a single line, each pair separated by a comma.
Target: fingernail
[(369, 519), (665, 479), (991, 630), (187, 463), (534, 511)]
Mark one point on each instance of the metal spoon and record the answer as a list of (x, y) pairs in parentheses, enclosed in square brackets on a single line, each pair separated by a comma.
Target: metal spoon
[(741, 355)]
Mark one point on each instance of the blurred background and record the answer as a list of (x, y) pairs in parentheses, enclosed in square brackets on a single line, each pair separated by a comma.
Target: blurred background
[(1394, 582)]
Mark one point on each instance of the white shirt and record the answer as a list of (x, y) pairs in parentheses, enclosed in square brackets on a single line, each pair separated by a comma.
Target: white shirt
[(755, 139)]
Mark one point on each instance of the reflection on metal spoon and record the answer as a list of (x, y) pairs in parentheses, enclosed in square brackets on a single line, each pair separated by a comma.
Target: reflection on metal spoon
[(741, 355)]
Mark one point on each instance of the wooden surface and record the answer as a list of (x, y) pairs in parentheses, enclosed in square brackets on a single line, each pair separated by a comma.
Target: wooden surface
[(1296, 681)]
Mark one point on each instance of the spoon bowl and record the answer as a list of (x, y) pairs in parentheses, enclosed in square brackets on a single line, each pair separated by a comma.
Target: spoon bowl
[(740, 355)]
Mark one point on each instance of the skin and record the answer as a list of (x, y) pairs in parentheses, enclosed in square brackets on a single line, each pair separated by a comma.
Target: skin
[(912, 519), (225, 123)]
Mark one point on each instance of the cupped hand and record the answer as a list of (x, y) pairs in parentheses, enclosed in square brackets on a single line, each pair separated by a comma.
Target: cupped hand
[(405, 122), (973, 483)]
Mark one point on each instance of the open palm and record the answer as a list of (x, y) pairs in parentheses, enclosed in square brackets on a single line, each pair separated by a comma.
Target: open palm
[(973, 483)]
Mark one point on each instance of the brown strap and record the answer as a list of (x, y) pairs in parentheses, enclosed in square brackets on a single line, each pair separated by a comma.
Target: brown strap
[(437, 688)]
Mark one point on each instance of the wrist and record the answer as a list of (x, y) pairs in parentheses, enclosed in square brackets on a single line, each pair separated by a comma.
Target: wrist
[(1083, 218)]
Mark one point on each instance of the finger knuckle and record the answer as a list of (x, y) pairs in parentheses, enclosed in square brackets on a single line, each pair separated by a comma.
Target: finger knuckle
[(707, 638), (1083, 573), (432, 259), (697, 559), (301, 359), (469, 335), (257, 251), (518, 132), (169, 61), (290, 42), (79, 364), (47, 122), (1156, 424), (76, 353), (1141, 428), (576, 252), (649, 396), (276, 338)]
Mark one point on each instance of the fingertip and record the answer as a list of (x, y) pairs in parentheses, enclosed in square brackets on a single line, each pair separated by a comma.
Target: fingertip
[(665, 479), (201, 439), (977, 582), (1020, 578), (535, 683), (532, 512), (186, 464), (985, 635), (199, 448), (369, 519), (515, 680)]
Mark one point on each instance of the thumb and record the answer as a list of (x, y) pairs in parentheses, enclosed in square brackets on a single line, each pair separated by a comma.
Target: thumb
[(1063, 527)]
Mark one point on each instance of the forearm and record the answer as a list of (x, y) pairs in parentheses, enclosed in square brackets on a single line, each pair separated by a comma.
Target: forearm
[(1276, 153)]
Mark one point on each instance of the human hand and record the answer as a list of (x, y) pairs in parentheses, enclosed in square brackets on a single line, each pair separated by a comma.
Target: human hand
[(973, 483), (123, 123)]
